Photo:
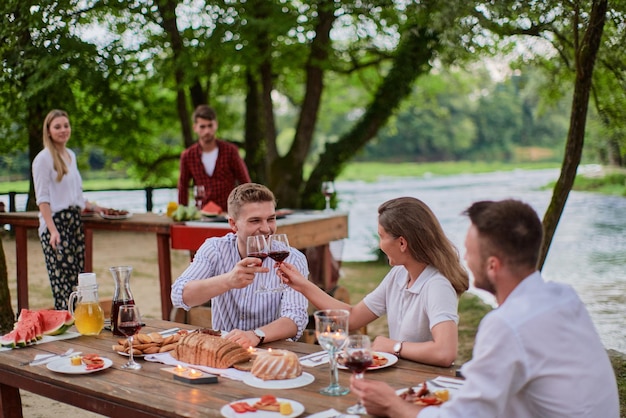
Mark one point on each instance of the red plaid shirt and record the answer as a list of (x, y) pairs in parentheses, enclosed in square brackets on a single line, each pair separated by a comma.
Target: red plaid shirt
[(230, 171)]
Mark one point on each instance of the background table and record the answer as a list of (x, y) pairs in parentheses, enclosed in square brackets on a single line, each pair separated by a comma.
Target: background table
[(305, 229), (150, 392)]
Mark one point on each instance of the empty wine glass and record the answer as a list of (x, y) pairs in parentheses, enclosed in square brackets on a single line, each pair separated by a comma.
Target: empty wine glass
[(129, 324), (199, 193), (331, 330), (328, 189), (358, 356)]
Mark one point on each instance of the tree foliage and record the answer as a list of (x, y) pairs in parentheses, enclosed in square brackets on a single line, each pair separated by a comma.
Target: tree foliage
[(303, 87)]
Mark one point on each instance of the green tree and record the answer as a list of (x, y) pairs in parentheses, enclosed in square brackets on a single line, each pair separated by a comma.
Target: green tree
[(576, 33)]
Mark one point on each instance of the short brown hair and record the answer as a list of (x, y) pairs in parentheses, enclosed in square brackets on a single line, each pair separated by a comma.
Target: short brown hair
[(508, 229), (204, 112), (248, 193)]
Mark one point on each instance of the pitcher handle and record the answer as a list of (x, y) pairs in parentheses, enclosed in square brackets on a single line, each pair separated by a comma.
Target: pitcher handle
[(70, 302)]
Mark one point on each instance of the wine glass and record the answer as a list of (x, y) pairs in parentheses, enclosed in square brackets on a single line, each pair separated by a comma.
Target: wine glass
[(279, 251), (199, 193), (256, 246), (331, 330), (129, 324), (328, 189), (358, 356)]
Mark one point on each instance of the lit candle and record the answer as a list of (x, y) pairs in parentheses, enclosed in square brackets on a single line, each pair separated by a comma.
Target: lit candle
[(195, 373), (180, 370)]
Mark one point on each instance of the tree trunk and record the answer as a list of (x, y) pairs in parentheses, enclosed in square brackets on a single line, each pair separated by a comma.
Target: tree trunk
[(586, 53), (412, 60), (254, 132), (286, 173), (7, 316)]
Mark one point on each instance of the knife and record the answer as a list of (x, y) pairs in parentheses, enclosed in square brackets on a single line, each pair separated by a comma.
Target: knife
[(170, 331)]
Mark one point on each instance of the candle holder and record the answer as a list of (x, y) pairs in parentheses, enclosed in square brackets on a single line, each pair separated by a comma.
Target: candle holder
[(190, 375)]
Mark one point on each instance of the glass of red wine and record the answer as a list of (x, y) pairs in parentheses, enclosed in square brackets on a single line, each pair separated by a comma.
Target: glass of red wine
[(328, 189), (279, 251), (358, 356), (129, 324), (256, 246), (199, 193)]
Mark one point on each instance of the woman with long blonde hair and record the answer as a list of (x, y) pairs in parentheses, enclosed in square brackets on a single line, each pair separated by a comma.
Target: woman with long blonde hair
[(420, 293), (59, 195)]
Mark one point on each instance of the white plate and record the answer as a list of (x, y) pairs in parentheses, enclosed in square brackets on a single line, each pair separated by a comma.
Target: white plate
[(432, 388), (116, 217), (64, 365), (229, 412), (302, 380), (391, 360), (122, 353)]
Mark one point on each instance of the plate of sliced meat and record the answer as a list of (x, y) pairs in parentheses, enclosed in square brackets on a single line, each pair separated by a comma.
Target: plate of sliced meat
[(266, 406), (115, 214)]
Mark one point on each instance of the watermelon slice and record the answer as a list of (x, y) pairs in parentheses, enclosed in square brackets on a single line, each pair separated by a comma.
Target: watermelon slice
[(32, 319), (31, 326), (211, 209), (56, 322), (14, 339)]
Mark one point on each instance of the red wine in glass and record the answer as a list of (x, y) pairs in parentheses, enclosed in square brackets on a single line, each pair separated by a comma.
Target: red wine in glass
[(115, 309), (279, 256), (358, 363), (259, 255), (129, 328)]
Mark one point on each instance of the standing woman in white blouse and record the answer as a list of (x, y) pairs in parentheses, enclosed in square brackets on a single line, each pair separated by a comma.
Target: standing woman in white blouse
[(59, 195)]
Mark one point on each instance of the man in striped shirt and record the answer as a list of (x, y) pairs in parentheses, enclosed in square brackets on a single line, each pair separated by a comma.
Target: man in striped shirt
[(222, 273)]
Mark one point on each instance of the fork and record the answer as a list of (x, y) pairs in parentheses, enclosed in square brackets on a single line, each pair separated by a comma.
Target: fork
[(48, 357)]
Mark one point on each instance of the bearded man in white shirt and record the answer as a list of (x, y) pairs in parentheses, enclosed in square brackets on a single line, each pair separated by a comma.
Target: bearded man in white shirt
[(537, 355)]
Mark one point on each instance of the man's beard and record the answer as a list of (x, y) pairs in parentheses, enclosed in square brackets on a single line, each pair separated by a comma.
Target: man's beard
[(481, 281)]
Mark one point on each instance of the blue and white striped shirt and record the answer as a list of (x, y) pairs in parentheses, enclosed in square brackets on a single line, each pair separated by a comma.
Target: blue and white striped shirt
[(243, 308)]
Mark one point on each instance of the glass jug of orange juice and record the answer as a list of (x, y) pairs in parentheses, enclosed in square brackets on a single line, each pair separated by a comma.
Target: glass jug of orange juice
[(88, 314)]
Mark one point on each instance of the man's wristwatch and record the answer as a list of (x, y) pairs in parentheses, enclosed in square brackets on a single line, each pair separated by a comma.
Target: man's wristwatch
[(259, 333), (397, 347)]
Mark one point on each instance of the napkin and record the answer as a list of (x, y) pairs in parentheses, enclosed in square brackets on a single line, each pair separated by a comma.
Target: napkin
[(448, 382), (315, 359), (332, 413), (166, 358)]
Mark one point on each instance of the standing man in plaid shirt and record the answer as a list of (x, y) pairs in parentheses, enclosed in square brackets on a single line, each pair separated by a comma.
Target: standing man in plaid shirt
[(210, 162)]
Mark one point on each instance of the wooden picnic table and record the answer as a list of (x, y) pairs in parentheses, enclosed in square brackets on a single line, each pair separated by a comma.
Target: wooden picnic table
[(305, 229), (150, 392)]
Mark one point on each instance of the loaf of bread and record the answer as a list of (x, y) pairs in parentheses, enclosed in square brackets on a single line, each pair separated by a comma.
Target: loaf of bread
[(276, 365), (209, 350)]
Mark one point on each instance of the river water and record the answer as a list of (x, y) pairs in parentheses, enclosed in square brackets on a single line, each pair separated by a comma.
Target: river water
[(588, 250)]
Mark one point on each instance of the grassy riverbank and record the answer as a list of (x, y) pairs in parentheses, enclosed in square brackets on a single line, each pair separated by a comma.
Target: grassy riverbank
[(360, 278)]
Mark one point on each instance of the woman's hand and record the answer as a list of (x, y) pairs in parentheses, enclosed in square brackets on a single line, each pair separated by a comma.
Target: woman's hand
[(290, 275), (55, 240), (383, 344)]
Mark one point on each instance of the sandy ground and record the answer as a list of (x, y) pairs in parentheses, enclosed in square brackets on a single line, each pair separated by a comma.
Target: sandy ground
[(138, 250)]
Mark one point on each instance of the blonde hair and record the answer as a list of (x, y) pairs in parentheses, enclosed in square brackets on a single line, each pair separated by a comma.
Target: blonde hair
[(59, 164), (412, 219), (248, 193)]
